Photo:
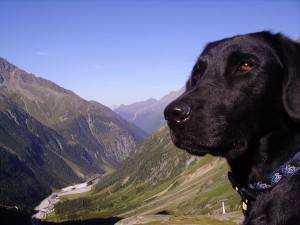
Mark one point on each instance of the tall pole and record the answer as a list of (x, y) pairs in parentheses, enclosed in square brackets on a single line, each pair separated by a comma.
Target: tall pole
[(223, 207), (223, 204)]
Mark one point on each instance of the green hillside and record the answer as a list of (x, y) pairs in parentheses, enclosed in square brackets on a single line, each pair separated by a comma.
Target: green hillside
[(157, 178)]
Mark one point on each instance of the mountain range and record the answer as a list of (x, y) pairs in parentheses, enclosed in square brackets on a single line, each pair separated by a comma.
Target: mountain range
[(50, 137), (147, 115)]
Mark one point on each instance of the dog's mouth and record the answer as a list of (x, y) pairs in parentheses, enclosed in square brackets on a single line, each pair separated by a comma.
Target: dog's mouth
[(194, 146)]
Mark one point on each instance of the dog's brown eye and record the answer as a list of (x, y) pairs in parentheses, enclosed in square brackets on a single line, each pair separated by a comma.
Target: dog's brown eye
[(245, 66)]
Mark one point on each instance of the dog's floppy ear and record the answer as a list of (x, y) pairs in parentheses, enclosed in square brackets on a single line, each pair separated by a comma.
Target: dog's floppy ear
[(289, 53)]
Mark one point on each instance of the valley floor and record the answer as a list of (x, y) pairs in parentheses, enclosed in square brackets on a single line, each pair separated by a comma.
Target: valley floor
[(47, 205)]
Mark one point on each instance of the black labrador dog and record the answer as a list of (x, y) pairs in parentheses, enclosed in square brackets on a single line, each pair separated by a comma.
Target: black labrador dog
[(242, 102)]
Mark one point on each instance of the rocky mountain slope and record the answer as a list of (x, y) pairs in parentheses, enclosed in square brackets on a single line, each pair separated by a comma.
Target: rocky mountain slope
[(148, 115), (50, 137), (157, 178)]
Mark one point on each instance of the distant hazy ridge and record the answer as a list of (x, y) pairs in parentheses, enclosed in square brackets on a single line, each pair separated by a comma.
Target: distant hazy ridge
[(148, 115)]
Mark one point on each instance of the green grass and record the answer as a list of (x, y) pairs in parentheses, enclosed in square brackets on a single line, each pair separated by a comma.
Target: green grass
[(227, 219)]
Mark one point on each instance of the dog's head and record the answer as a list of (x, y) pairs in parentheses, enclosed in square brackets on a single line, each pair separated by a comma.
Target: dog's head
[(240, 89)]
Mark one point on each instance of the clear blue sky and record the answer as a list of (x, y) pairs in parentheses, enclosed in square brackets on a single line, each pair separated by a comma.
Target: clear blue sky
[(126, 51)]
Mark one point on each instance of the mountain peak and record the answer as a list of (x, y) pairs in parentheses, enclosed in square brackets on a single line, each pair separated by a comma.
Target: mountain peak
[(17, 79), (6, 66)]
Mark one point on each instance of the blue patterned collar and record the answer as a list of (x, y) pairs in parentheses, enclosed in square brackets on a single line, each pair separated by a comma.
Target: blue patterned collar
[(250, 191), (276, 176)]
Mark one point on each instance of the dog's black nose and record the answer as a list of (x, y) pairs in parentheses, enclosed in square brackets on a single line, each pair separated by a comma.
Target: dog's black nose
[(177, 111)]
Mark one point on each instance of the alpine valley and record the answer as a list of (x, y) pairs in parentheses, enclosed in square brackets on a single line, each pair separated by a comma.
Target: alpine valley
[(158, 184), (51, 138)]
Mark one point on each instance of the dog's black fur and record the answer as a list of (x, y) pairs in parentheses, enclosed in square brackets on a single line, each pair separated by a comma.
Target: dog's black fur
[(242, 102)]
